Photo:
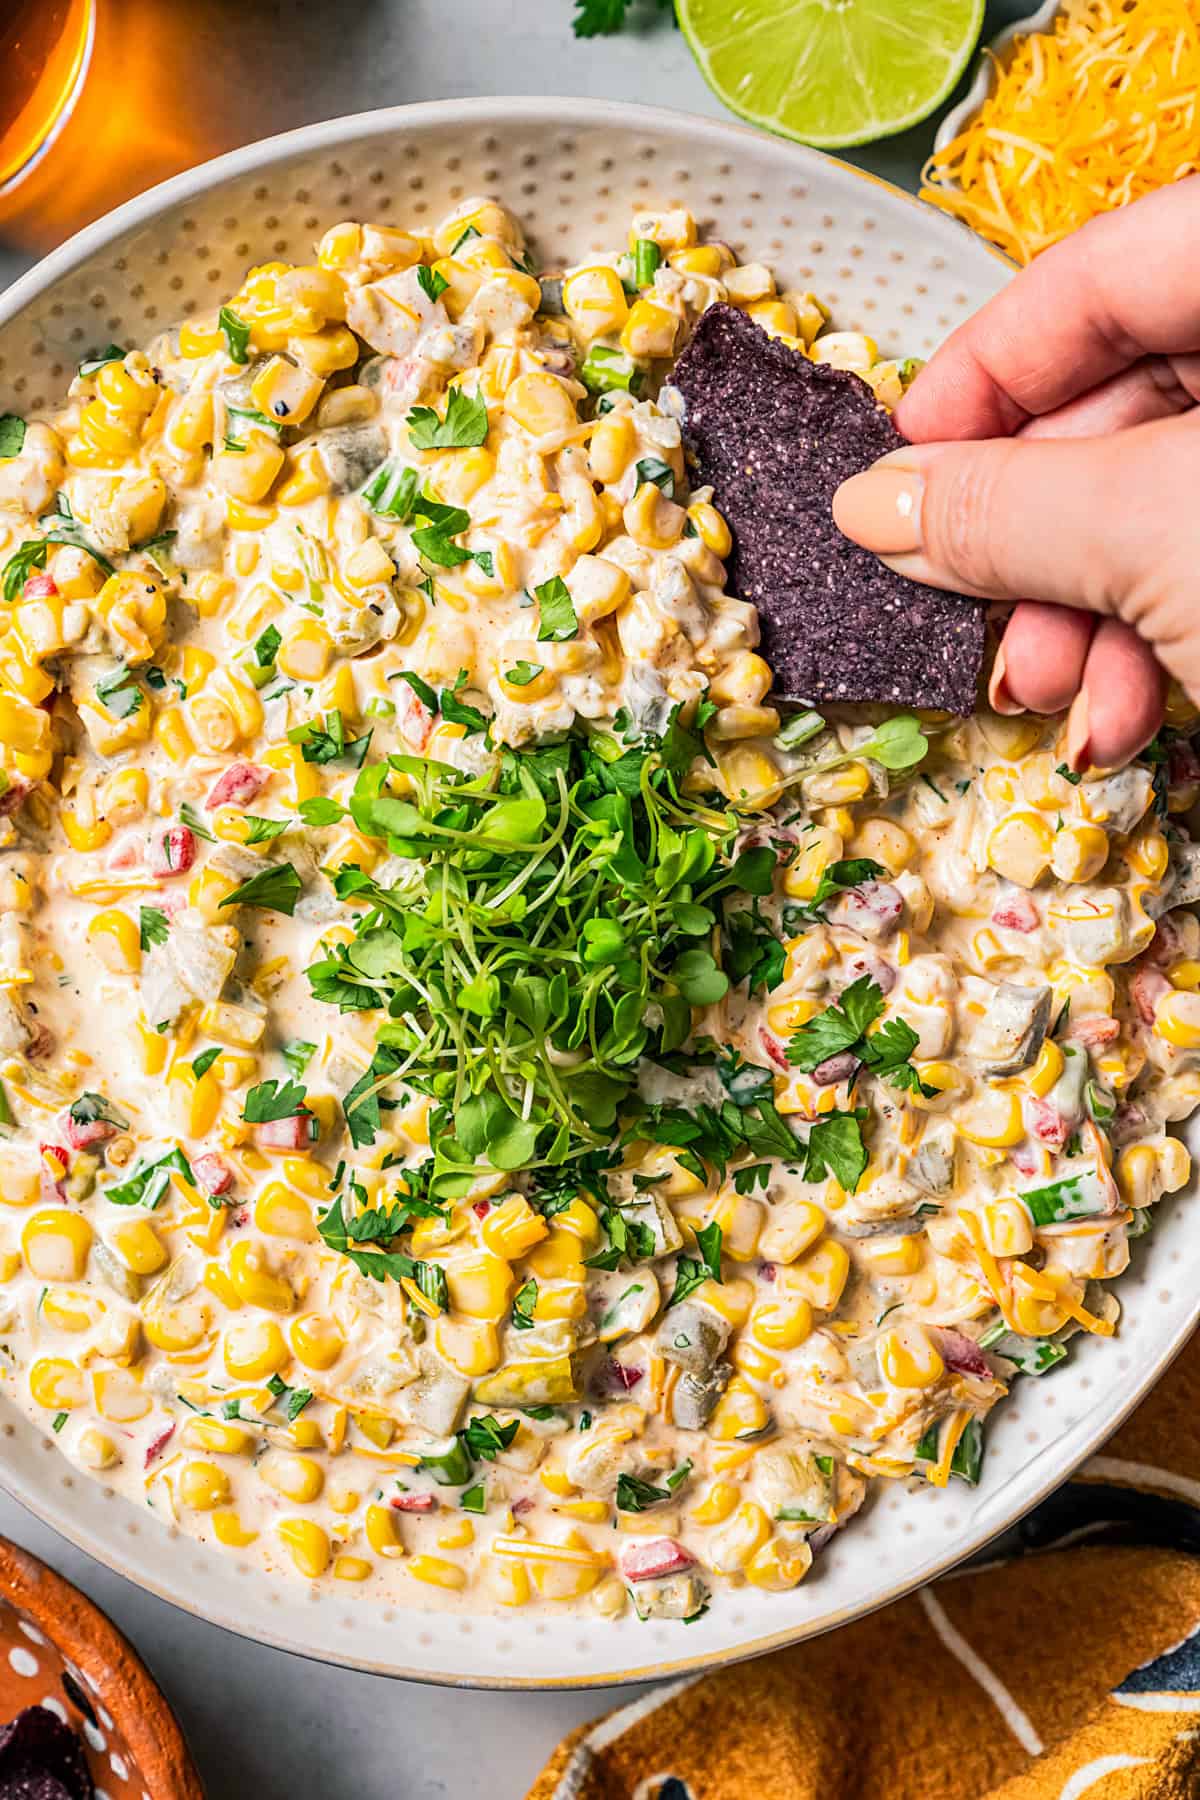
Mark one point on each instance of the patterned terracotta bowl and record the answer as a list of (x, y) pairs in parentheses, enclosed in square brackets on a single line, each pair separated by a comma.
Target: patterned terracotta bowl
[(59, 1651)]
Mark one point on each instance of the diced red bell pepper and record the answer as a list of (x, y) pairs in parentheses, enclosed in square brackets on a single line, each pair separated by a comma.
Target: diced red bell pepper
[(238, 785), (173, 852), (650, 1562)]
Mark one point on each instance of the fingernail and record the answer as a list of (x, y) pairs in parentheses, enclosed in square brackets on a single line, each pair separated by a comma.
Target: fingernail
[(881, 510), (1078, 732), (999, 698)]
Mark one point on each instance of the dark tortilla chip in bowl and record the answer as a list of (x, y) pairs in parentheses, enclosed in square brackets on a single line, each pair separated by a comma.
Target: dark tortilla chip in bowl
[(775, 435), (41, 1758)]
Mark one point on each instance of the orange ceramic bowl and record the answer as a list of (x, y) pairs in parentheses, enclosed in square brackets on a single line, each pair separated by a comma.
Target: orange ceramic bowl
[(59, 1650)]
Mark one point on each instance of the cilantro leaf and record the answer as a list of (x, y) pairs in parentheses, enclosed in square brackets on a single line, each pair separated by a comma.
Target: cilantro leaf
[(12, 435), (21, 564), (835, 1147), (263, 830), (556, 615), (465, 425), (236, 333), (421, 689), (660, 474), (275, 889), (461, 712), (92, 364), (486, 1437), (433, 282), (839, 1027), (524, 1301), (391, 492), (204, 1062), (271, 1100), (635, 1495), (522, 673), (153, 927), (297, 1055)]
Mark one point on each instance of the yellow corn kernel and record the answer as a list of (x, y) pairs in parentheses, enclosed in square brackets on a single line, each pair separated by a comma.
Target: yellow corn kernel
[(325, 352), (172, 735), (650, 330), (775, 316), (991, 1119), (471, 1345), (821, 1274), (198, 1100), (540, 688), (581, 1221), (228, 1530), (20, 1183), (66, 1309), (513, 1228), (306, 652), (1020, 848), (710, 528), (908, 1358), (1006, 1228), (507, 1580), (819, 847), (56, 1244), (116, 941), (1185, 974), (297, 1478), (884, 842), (480, 1285), (56, 1383), (558, 1257), (307, 1545), (782, 1323), (83, 835), (282, 391), (1046, 1070), (778, 1566), (893, 1255), (435, 1571), (221, 1436), (1177, 1019), (279, 1212), (203, 1486), (254, 1351), (731, 1548), (174, 1329), (139, 1246), (652, 520), (1080, 852), (846, 350), (96, 1449), (255, 1282), (740, 1412), (611, 447), (383, 1533), (351, 1568), (717, 1503), (594, 300), (540, 404), (23, 727)]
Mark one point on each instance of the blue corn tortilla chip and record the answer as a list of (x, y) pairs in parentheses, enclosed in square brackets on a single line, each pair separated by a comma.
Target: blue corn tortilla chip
[(775, 435), (42, 1759)]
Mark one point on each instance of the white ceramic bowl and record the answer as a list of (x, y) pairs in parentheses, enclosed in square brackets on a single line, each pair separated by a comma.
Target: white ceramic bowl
[(960, 116), (887, 265)]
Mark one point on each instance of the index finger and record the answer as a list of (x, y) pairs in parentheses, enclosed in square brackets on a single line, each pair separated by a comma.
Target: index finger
[(1121, 288)]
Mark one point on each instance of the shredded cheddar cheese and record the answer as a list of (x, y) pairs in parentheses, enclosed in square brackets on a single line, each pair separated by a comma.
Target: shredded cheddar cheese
[(1079, 121)]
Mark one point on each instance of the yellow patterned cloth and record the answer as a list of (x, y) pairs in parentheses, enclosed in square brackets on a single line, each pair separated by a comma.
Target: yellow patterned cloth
[(1068, 1673)]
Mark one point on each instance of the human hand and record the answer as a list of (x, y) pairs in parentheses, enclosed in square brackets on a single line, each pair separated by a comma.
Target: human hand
[(1056, 453)]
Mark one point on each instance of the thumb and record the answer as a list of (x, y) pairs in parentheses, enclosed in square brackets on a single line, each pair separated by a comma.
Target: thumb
[(1081, 522)]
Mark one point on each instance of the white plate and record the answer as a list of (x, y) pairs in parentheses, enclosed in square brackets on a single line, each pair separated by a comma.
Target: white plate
[(887, 265), (960, 116)]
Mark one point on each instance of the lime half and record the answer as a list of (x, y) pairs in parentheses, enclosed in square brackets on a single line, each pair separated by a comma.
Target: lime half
[(832, 72)]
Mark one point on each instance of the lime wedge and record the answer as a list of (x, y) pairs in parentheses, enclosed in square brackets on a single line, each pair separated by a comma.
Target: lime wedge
[(832, 72)]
